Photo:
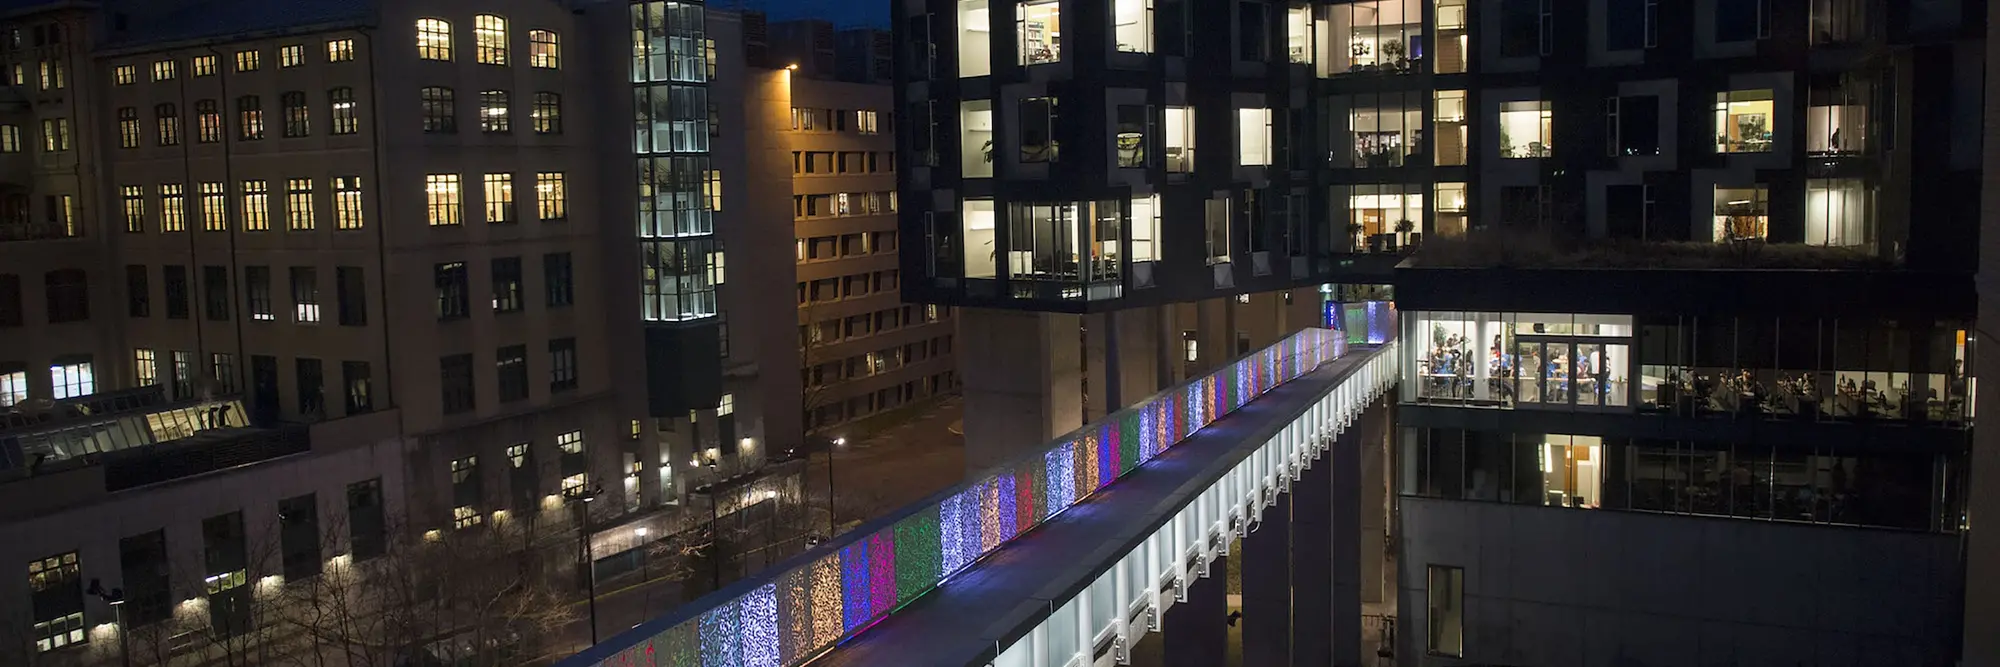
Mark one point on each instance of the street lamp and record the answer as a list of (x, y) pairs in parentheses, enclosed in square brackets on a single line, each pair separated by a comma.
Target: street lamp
[(832, 524), (580, 496), (116, 598)]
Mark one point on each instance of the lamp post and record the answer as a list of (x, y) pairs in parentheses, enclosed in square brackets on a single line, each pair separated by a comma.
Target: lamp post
[(116, 598), (832, 524), (581, 497)]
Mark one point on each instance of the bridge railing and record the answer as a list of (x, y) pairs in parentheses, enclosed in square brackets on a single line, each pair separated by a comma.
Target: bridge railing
[(797, 610)]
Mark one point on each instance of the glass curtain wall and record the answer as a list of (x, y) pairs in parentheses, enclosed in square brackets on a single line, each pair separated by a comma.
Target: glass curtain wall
[(1519, 360), (1806, 484), (1378, 36), (681, 258), (1807, 369)]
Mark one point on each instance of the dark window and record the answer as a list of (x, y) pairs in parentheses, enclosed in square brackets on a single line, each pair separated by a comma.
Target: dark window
[(257, 292), (312, 387), (507, 285), (1635, 122), (226, 562), (68, 294), (215, 292), (546, 112), (298, 116), (1523, 207), (367, 526), (453, 299), (298, 536), (1628, 210), (512, 366), (1172, 33), (1520, 28), (10, 300), (1741, 20), (351, 286), (177, 291), (360, 391), (562, 365), (1252, 32), (440, 111), (167, 119), (305, 295), (1628, 25), (557, 279), (455, 383), (144, 572), (138, 292)]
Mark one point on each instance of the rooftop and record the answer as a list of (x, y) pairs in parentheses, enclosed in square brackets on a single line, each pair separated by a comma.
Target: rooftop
[(136, 23)]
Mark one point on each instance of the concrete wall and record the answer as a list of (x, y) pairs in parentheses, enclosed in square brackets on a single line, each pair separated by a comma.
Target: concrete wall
[(1553, 587)]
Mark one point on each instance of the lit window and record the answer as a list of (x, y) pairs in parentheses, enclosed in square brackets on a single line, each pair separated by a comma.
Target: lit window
[(347, 203), (208, 121), (128, 127), (433, 39), (246, 61), (1449, 125), (1039, 23), (570, 443), (1145, 212), (544, 49), (1132, 22), (10, 138), (975, 39), (13, 388), (214, 207), (57, 578), (167, 121), (133, 198), (72, 379), (551, 197), (441, 195), (203, 66), (256, 206), (1744, 122), (465, 517), (547, 113), (976, 130), (1526, 129), (299, 204), (339, 50), (163, 70), (55, 134), (1180, 140), (1839, 212), (1253, 131), (291, 55), (145, 367), (1215, 227), (340, 102), (249, 118), (499, 191), (727, 406), (440, 110), (1452, 47), (173, 209), (493, 112), (1299, 35), (125, 75), (489, 34), (1742, 214)]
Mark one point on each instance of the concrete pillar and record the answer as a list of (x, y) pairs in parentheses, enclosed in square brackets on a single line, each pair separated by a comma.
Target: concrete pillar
[(1197, 631), (1345, 512), (1166, 343), (1377, 424), (1267, 587), (1022, 379), (1312, 572), (1120, 353)]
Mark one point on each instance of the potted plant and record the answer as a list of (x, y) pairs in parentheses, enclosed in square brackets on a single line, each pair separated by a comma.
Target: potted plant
[(1407, 230), (1354, 235), (1394, 53)]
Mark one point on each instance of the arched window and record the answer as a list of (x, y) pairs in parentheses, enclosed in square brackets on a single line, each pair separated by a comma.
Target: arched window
[(433, 39), (168, 118), (298, 116), (341, 101), (544, 49), (489, 34), (440, 113)]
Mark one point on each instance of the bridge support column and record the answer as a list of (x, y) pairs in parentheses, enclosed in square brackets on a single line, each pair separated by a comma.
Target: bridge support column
[(1023, 381), (1312, 556), (1344, 462), (1197, 631), (1267, 587)]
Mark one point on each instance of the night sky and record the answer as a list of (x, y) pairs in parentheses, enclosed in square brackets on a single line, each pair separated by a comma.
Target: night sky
[(843, 13)]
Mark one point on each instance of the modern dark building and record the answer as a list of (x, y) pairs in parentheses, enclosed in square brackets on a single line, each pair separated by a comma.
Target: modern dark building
[(1686, 288)]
